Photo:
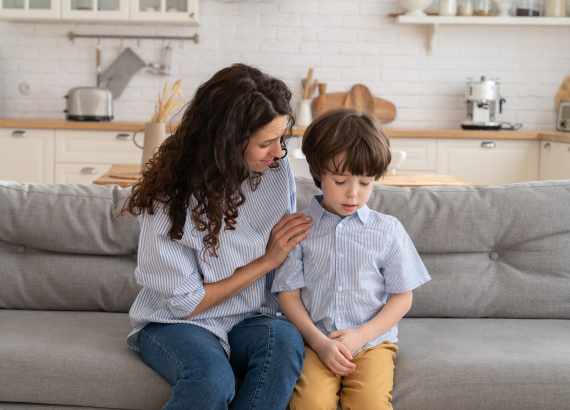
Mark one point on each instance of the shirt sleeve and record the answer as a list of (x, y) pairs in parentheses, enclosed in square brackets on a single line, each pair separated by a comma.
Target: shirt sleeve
[(289, 276), (168, 267), (404, 269)]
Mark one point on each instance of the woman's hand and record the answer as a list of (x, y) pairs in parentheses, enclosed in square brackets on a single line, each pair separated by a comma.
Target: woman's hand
[(351, 338), (336, 356), (285, 235)]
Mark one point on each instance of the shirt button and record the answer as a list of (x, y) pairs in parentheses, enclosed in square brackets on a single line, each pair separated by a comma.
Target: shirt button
[(340, 255)]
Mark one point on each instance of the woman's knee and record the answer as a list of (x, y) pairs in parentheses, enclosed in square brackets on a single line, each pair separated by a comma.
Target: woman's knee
[(213, 381)]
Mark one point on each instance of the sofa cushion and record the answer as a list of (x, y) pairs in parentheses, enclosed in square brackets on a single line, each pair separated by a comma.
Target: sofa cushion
[(74, 358), (473, 364), (81, 359), (498, 251), (34, 279), (67, 218)]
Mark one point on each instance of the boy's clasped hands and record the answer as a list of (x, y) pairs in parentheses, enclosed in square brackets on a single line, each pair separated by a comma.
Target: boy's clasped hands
[(336, 350)]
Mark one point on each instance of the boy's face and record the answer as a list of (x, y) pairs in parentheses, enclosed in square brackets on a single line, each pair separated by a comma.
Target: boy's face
[(344, 194)]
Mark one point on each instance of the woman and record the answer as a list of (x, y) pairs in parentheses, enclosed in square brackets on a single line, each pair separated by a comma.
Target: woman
[(214, 208)]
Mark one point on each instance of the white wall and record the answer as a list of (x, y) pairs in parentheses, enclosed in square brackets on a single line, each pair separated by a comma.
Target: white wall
[(346, 41)]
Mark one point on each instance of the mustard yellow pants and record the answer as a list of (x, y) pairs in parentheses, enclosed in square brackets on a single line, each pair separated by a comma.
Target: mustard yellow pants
[(369, 387)]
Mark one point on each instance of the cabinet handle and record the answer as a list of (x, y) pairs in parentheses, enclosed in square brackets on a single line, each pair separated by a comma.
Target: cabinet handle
[(192, 15), (547, 145), (123, 137), (18, 133), (488, 144), (87, 171)]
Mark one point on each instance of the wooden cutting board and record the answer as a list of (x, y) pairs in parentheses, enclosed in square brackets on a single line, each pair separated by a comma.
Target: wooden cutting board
[(359, 98)]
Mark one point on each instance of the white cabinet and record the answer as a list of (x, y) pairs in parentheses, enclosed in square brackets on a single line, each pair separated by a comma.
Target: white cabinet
[(421, 155), (83, 156), (137, 11), (108, 147), (27, 155), (95, 10), (489, 162), (165, 10), (79, 173), (30, 9), (554, 160)]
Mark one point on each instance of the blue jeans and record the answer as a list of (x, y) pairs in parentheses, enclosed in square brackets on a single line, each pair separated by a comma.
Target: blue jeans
[(266, 358)]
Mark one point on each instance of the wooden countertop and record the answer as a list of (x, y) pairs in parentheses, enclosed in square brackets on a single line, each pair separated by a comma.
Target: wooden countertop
[(132, 126), (126, 175)]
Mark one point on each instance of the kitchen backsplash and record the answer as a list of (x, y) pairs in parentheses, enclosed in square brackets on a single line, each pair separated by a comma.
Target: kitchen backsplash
[(345, 41)]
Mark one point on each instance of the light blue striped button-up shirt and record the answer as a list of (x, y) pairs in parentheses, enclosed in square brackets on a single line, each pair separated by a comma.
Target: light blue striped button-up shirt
[(348, 267), (173, 273)]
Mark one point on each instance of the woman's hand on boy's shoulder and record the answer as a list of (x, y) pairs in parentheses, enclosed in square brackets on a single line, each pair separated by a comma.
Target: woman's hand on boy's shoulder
[(353, 339), (285, 235), (336, 356)]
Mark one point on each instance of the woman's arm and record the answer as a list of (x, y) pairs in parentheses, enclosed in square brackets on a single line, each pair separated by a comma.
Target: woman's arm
[(285, 235), (392, 312)]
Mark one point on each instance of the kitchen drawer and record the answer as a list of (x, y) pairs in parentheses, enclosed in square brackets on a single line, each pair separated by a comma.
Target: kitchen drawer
[(97, 147), (489, 162), (26, 155), (421, 155), (79, 173)]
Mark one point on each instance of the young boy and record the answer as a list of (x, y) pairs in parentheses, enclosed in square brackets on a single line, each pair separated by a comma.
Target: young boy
[(350, 282)]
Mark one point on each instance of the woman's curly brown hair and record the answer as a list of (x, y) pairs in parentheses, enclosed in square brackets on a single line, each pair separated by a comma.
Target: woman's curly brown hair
[(204, 158)]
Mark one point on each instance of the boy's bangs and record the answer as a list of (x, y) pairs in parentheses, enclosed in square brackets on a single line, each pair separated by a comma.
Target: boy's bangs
[(358, 159)]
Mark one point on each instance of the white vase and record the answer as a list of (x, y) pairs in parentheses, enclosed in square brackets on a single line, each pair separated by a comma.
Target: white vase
[(304, 114)]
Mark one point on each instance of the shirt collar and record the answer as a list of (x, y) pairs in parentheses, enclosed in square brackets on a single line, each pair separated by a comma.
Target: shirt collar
[(316, 211)]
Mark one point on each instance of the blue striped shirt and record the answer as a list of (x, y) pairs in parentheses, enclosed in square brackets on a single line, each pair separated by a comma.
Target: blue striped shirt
[(347, 268), (173, 273)]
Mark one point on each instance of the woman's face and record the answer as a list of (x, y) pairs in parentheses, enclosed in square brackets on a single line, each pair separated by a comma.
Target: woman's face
[(264, 146)]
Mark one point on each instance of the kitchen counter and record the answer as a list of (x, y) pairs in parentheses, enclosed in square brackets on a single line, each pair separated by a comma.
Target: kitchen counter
[(132, 126)]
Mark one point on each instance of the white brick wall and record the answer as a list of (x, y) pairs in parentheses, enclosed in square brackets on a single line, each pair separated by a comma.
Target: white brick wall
[(346, 41)]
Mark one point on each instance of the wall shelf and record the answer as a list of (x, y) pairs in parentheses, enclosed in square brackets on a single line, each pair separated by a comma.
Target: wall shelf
[(433, 22)]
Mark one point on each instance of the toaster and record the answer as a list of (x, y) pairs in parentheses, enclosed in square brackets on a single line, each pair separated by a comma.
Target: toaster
[(563, 123), (89, 104)]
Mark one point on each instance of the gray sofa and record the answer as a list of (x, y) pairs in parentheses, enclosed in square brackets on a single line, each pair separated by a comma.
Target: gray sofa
[(491, 331)]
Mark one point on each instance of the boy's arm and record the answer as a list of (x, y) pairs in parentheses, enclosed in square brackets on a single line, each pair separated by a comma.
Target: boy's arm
[(333, 354), (392, 312)]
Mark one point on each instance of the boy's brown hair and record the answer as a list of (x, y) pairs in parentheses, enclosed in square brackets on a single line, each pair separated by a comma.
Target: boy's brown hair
[(349, 132)]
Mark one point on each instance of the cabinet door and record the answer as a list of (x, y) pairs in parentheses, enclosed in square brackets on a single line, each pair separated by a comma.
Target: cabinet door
[(181, 11), (74, 146), (26, 155), (30, 9), (79, 173), (95, 9), (489, 162), (421, 155), (554, 160)]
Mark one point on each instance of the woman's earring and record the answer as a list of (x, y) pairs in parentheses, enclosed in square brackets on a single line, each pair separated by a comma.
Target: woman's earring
[(283, 148)]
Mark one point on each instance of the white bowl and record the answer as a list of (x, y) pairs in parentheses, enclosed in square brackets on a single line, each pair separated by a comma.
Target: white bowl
[(415, 7)]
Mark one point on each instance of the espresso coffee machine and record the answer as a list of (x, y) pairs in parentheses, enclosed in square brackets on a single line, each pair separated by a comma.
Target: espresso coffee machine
[(484, 102)]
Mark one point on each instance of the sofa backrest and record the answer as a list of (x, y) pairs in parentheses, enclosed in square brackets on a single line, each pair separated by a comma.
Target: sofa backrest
[(491, 251), (66, 247)]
